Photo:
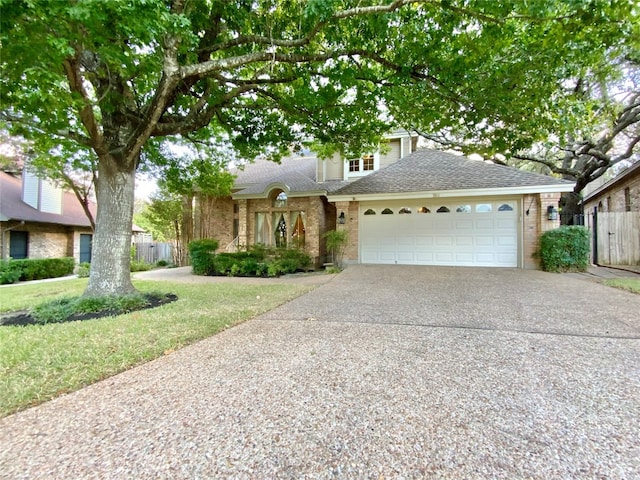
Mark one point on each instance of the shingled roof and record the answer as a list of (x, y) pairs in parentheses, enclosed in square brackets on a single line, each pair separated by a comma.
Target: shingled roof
[(432, 170), (13, 208), (297, 174)]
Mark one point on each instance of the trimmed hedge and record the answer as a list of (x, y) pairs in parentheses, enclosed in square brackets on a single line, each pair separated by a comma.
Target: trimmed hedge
[(565, 249), (257, 261), (35, 269)]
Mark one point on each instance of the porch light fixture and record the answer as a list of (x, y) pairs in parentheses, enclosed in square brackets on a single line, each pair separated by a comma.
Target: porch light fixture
[(552, 213), (341, 218)]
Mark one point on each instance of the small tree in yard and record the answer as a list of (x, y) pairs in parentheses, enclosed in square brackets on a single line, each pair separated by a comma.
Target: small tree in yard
[(336, 245), (110, 83)]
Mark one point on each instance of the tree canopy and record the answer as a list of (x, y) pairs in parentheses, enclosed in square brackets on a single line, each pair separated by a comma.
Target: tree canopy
[(111, 82)]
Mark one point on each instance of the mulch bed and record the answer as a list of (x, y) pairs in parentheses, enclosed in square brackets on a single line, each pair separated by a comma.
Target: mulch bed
[(23, 318)]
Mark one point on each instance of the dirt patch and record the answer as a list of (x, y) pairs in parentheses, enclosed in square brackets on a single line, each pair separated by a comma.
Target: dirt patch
[(23, 318)]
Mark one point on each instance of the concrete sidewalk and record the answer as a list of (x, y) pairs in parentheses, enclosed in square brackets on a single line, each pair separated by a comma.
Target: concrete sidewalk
[(385, 371)]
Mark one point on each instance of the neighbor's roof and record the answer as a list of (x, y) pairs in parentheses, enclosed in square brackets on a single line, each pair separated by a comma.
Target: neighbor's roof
[(624, 175), (435, 171), (13, 208)]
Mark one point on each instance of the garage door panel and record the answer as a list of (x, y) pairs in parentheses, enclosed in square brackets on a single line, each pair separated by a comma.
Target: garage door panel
[(482, 235), (466, 240)]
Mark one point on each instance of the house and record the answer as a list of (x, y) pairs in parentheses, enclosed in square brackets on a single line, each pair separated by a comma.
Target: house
[(40, 220), (399, 206), (612, 213), (620, 194)]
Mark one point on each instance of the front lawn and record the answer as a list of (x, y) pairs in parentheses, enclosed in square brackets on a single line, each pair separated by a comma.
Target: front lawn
[(40, 362), (630, 284)]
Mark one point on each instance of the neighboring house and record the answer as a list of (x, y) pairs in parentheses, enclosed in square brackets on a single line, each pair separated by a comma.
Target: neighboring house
[(40, 220), (399, 206), (620, 194), (612, 213)]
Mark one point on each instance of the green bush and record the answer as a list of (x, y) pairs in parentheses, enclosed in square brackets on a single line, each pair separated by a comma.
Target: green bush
[(257, 261), (202, 253), (9, 272), (35, 269), (564, 249), (83, 270), (140, 266)]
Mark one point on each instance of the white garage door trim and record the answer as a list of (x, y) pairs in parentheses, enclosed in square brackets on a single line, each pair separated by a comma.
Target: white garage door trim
[(473, 232)]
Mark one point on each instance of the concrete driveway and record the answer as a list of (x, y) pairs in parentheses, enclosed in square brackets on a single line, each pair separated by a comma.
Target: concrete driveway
[(383, 372)]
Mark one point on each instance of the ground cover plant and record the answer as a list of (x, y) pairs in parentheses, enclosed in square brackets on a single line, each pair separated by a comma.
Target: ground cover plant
[(629, 284), (40, 362)]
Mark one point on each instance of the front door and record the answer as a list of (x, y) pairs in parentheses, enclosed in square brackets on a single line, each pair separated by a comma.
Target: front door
[(85, 247), (18, 244)]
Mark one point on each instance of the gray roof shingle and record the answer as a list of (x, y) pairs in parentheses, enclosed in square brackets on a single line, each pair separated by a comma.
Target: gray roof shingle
[(432, 170)]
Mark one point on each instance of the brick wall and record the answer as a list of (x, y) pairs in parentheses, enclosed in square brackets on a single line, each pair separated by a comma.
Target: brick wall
[(536, 223), (46, 240), (613, 200), (318, 220), (351, 210)]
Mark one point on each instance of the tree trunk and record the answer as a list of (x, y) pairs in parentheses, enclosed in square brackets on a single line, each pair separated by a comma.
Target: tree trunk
[(186, 226), (110, 272)]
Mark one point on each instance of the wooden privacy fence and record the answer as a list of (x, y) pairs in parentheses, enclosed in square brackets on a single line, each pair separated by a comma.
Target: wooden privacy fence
[(616, 238), (151, 252)]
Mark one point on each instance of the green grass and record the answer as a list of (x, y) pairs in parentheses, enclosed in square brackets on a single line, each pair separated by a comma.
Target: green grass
[(40, 362), (630, 284)]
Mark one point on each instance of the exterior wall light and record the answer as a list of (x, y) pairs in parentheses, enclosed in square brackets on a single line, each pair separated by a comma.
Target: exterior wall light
[(341, 218), (552, 213)]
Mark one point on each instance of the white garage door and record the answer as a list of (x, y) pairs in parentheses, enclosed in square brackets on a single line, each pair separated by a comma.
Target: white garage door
[(461, 233)]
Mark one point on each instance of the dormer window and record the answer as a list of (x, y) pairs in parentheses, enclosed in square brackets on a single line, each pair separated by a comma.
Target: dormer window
[(366, 163)]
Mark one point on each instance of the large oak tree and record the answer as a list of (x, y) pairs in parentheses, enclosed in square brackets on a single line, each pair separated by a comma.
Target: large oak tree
[(110, 81)]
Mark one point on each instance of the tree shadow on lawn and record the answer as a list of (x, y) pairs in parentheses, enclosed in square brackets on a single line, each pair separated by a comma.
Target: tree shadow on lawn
[(23, 318)]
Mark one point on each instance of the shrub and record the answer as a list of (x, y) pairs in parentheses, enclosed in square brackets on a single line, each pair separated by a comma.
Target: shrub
[(35, 269), (83, 270), (336, 245), (162, 263), (564, 249), (293, 259), (258, 261), (9, 272), (202, 253), (140, 266)]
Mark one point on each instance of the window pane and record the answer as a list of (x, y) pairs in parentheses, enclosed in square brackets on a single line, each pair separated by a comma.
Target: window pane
[(464, 209), (443, 209), (505, 207), (483, 207), (280, 232), (370, 212), (404, 210), (281, 200), (367, 162), (387, 211), (298, 221), (354, 165), (424, 210)]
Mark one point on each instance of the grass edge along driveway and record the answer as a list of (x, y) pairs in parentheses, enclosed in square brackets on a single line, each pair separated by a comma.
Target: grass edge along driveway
[(41, 362)]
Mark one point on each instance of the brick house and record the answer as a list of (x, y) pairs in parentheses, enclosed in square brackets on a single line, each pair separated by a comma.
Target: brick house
[(398, 205), (620, 194), (615, 227), (40, 220)]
